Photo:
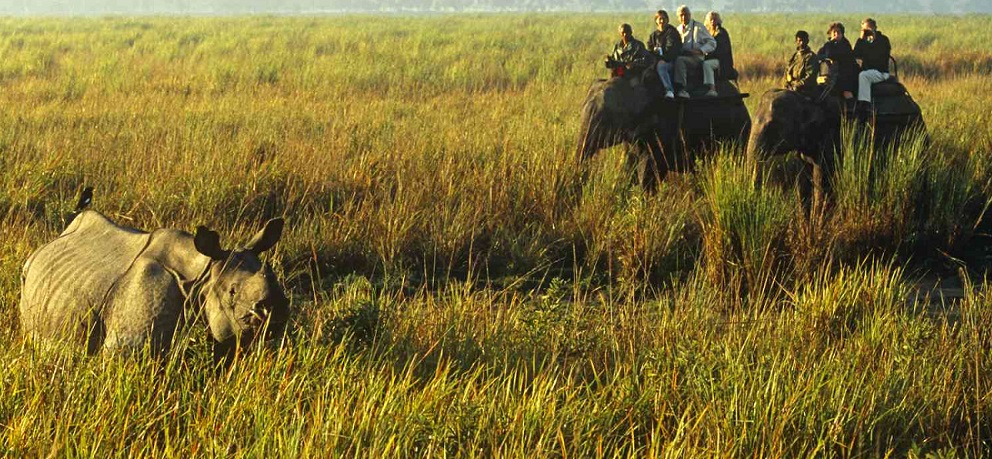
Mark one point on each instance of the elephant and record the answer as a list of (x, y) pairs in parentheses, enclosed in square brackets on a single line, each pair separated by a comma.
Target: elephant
[(787, 121), (665, 133)]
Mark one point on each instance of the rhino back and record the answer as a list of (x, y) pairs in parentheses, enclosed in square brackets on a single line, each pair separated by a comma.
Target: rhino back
[(66, 281)]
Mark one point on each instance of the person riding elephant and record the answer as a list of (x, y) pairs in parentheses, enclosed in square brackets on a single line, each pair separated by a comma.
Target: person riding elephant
[(874, 50), (666, 42), (800, 75), (720, 59), (838, 51), (696, 43), (630, 58)]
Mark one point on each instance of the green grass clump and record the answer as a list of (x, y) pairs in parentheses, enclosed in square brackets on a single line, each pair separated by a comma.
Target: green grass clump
[(745, 228)]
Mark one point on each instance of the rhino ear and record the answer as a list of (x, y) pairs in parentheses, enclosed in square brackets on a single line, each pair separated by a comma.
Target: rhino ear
[(267, 237), (207, 242)]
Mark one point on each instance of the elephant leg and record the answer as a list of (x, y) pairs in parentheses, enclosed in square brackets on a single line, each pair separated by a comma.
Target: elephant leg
[(646, 175), (651, 166), (815, 187), (818, 190)]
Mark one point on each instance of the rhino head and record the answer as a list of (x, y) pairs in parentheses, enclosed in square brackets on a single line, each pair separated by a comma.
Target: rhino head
[(240, 295)]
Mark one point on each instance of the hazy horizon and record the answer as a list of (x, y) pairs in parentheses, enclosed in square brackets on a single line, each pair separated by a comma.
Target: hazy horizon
[(240, 7)]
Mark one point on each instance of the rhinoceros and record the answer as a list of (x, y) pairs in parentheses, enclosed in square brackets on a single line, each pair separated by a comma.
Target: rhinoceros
[(110, 288)]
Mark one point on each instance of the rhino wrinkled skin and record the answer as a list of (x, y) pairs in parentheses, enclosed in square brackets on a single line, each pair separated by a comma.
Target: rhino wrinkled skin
[(109, 288)]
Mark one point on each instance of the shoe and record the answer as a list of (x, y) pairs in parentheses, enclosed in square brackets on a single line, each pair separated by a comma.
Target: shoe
[(669, 95), (711, 93), (683, 94)]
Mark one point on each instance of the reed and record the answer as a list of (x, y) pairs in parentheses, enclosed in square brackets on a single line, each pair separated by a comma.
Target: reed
[(462, 284)]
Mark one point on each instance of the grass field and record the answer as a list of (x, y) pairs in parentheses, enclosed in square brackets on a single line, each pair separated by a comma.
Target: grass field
[(462, 285)]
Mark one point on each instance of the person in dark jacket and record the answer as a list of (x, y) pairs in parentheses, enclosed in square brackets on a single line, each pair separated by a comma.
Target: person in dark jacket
[(801, 73), (874, 50), (839, 51), (666, 43), (722, 58), (629, 57)]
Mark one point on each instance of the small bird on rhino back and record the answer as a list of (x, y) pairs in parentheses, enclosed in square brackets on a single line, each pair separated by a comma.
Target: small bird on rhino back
[(110, 288)]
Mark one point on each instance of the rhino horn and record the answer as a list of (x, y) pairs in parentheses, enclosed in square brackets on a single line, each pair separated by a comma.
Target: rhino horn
[(267, 237), (207, 242)]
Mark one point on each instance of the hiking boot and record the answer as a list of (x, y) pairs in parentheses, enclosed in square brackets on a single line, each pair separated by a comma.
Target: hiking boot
[(683, 94)]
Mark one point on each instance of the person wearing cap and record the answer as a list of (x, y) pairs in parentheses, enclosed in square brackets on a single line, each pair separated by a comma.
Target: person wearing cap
[(874, 50), (801, 73), (666, 43)]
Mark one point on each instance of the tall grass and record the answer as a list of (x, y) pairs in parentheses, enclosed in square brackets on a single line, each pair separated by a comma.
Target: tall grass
[(462, 285), (745, 228)]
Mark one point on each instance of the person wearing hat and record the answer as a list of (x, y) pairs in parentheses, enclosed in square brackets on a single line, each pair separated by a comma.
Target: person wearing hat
[(801, 73)]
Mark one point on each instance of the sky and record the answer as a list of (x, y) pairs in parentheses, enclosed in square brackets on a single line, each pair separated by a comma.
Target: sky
[(226, 7)]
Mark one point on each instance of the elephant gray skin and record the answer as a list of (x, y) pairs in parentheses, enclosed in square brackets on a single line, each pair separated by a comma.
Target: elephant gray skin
[(665, 133), (107, 288), (787, 121)]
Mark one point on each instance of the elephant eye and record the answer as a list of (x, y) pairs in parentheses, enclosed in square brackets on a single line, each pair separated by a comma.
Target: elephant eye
[(232, 291)]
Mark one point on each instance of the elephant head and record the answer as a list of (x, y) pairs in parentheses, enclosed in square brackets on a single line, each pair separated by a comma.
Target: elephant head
[(787, 121), (665, 134), (614, 112)]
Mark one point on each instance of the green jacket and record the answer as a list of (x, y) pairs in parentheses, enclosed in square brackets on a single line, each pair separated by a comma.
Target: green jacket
[(633, 53), (802, 71)]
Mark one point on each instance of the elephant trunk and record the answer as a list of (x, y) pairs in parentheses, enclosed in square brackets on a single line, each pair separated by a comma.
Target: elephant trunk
[(761, 142), (584, 145), (595, 134)]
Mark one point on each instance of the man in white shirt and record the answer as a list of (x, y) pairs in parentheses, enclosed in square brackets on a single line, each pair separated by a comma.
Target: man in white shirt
[(696, 44)]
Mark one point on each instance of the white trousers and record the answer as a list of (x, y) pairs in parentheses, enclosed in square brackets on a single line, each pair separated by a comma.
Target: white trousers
[(867, 78)]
